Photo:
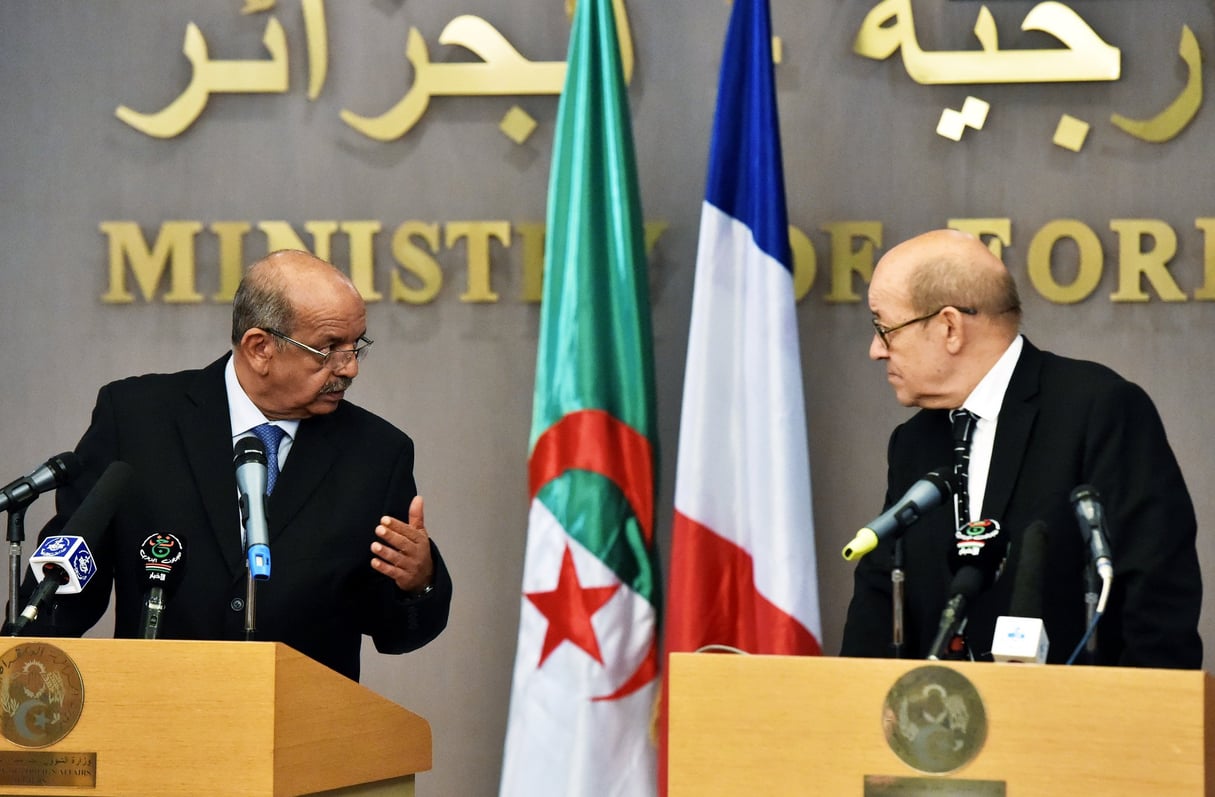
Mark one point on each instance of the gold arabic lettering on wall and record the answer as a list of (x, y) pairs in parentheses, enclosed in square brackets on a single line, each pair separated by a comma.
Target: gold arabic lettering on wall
[(1145, 247), (502, 72), (890, 26)]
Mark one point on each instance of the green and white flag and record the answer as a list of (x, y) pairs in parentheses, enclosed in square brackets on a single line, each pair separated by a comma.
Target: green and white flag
[(586, 671)]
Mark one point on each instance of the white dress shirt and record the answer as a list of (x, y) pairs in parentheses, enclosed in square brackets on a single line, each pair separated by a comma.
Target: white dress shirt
[(985, 402)]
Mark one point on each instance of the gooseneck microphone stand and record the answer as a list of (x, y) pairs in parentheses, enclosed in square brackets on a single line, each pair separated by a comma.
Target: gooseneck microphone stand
[(897, 578), (16, 536), (1092, 589)]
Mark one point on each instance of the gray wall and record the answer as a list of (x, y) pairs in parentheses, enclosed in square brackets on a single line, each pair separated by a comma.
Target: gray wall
[(859, 145)]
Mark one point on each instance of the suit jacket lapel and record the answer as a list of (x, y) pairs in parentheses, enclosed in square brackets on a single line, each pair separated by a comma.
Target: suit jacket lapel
[(1017, 415), (206, 432), (313, 452)]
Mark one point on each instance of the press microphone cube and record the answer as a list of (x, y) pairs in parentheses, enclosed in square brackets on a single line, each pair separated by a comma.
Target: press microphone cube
[(1020, 640), (72, 555)]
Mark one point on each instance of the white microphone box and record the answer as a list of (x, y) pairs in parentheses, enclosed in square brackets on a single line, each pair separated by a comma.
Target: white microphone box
[(70, 553), (1020, 639)]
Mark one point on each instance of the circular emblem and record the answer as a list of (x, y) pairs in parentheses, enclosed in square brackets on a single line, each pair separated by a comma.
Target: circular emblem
[(934, 720), (971, 537), (41, 695), (160, 552)]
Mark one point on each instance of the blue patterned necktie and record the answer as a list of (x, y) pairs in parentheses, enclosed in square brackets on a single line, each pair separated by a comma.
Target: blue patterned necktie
[(270, 435)]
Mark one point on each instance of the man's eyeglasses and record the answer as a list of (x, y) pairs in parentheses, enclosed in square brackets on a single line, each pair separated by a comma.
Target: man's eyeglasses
[(885, 332), (334, 359)]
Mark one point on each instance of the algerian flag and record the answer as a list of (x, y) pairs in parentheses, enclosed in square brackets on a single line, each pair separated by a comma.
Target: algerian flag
[(586, 665)]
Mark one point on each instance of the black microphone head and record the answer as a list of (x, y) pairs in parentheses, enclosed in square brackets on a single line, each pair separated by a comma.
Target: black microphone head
[(943, 478), (164, 560), (62, 468), (968, 582), (101, 503), (20, 493), (1029, 573), (1084, 491), (1086, 502), (249, 449), (980, 546)]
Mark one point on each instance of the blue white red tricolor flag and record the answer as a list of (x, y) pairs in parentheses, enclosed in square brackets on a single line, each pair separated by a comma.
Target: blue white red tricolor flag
[(743, 570)]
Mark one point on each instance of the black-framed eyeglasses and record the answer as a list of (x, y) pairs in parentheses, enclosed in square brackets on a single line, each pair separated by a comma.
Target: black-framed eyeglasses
[(884, 332), (334, 359)]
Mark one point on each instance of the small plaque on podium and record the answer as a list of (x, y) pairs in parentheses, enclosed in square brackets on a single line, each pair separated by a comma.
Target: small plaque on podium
[(890, 786), (43, 768)]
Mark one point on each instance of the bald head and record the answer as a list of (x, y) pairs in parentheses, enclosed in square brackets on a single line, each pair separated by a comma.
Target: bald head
[(951, 268), (291, 311), (276, 288), (947, 309)]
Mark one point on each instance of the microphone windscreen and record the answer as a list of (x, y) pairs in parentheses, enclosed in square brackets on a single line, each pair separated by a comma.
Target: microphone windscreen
[(70, 549), (1030, 573), (164, 560), (981, 545), (968, 582), (101, 503)]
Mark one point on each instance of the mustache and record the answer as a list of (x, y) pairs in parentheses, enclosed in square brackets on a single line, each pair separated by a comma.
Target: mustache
[(338, 385)]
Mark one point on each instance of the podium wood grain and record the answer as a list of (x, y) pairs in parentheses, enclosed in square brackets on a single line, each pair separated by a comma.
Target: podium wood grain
[(169, 718), (783, 725)]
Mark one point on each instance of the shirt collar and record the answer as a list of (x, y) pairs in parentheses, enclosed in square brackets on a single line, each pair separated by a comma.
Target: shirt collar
[(243, 413), (988, 396)]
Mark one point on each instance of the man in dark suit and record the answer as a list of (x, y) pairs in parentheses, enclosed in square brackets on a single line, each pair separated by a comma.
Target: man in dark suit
[(343, 562), (947, 318)]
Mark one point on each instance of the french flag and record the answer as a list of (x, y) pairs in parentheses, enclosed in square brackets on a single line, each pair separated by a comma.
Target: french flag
[(742, 553)]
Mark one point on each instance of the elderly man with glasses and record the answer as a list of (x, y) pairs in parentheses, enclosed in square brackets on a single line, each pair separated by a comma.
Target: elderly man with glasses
[(350, 549), (1018, 430)]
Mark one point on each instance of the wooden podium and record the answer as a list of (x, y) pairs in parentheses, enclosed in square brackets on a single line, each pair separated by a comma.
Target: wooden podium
[(784, 725), (167, 718)]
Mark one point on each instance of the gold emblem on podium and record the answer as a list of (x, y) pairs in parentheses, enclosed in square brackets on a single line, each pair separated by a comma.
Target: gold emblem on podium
[(934, 719), (41, 695)]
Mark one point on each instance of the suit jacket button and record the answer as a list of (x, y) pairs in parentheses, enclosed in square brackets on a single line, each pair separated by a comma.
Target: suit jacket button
[(237, 605)]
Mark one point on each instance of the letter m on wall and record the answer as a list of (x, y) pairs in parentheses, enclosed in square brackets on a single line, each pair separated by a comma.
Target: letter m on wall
[(173, 252)]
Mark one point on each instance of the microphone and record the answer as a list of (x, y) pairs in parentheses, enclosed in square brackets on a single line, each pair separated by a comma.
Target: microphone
[(925, 494), (1091, 516), (250, 461), (1020, 636), (976, 562), (63, 563), (59, 469), (164, 563), (51, 579)]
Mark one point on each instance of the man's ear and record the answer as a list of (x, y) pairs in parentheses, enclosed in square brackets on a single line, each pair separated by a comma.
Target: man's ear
[(955, 333), (257, 348)]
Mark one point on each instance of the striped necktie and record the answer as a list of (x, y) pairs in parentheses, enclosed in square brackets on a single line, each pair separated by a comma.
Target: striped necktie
[(964, 422)]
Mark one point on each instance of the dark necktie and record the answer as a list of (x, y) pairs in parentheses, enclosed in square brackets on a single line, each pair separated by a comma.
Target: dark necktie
[(964, 422), (270, 435)]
